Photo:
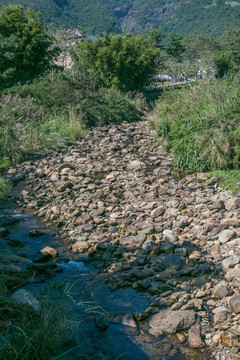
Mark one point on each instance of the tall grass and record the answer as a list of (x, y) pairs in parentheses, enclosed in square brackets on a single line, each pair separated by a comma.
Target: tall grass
[(28, 334), (5, 189), (200, 125), (26, 128)]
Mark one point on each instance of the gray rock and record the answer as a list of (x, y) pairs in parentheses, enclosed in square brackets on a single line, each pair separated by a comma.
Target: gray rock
[(173, 261), (234, 304), (136, 165), (169, 236), (138, 239), (220, 291), (169, 322), (159, 211), (80, 246), (225, 236), (230, 262), (124, 318), (24, 297), (220, 314)]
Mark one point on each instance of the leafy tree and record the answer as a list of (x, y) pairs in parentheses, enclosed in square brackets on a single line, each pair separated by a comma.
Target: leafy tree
[(223, 64), (25, 47), (231, 44), (200, 46), (122, 61), (175, 47)]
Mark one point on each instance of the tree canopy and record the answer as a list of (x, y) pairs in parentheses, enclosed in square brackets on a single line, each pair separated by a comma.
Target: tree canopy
[(25, 47), (121, 61)]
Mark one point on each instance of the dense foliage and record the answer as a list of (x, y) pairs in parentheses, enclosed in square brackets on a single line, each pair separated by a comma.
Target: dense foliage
[(124, 61), (200, 125), (24, 46), (179, 16)]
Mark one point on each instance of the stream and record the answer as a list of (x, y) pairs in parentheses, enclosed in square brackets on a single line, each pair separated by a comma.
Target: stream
[(84, 287)]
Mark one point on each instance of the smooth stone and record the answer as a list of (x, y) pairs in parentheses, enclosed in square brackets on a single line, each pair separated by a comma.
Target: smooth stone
[(50, 251), (124, 318), (170, 321), (234, 304), (220, 314), (230, 262), (169, 236), (136, 165), (220, 291), (225, 236), (24, 297)]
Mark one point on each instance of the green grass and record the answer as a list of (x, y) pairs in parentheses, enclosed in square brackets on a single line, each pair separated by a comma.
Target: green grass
[(200, 125), (231, 179), (5, 189)]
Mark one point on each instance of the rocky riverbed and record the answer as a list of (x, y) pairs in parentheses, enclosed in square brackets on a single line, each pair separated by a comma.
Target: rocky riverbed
[(118, 202)]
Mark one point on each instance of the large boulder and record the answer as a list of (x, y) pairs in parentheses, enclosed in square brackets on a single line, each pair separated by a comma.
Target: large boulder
[(169, 322)]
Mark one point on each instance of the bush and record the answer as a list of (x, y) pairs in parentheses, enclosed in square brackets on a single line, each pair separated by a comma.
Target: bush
[(200, 125), (5, 189), (27, 128), (80, 95), (110, 106)]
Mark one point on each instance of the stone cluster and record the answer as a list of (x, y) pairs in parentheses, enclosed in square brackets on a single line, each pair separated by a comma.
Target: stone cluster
[(117, 199)]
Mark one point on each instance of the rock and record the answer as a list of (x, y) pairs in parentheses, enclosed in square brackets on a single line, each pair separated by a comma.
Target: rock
[(169, 236), (155, 332), (234, 304), (80, 246), (225, 236), (194, 337), (159, 211), (50, 251), (230, 262), (136, 165), (229, 339), (101, 320), (220, 314), (215, 180), (124, 318), (4, 232), (172, 261), (35, 233), (24, 297), (195, 255), (15, 243), (216, 339), (138, 239), (170, 321), (41, 257), (17, 179), (181, 338), (220, 291)]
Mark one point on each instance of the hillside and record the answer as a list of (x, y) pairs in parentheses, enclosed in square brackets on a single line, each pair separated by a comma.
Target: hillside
[(179, 16)]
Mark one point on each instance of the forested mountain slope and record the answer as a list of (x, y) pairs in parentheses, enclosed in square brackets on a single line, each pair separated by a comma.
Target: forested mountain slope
[(171, 16)]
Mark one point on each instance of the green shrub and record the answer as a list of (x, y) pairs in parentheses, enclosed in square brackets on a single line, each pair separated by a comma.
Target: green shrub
[(200, 125), (5, 189), (27, 128), (110, 106)]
